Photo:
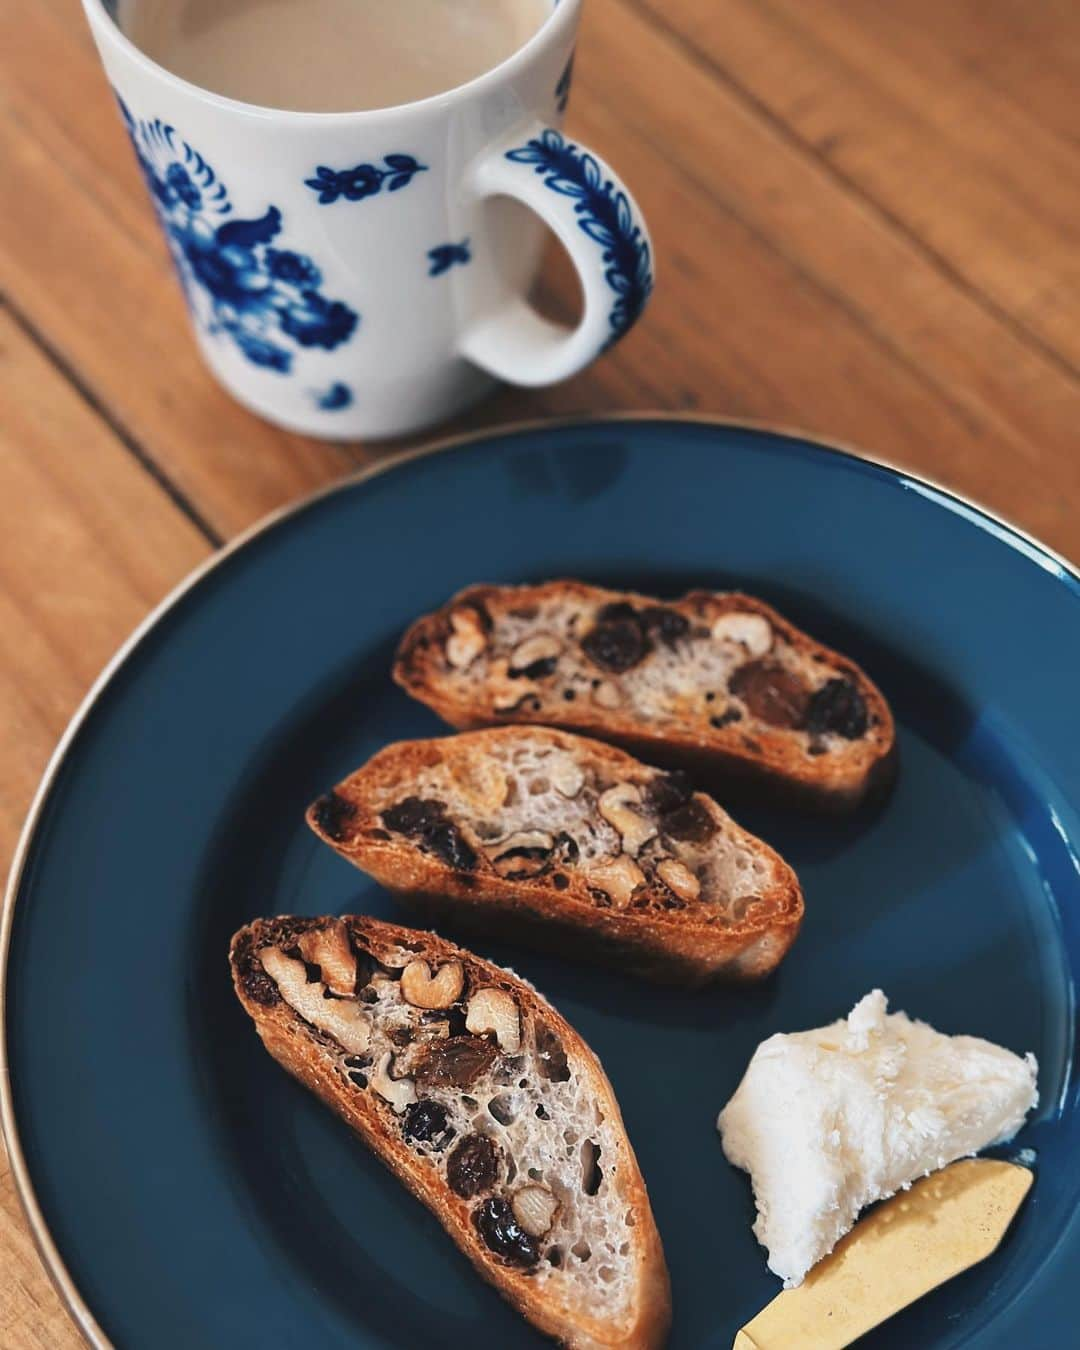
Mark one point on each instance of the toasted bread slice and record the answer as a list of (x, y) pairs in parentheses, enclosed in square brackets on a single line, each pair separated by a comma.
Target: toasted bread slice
[(482, 1101), (714, 682), (569, 843)]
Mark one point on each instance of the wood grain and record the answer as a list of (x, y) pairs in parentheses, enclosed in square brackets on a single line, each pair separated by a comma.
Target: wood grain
[(885, 96), (1029, 54), (866, 219)]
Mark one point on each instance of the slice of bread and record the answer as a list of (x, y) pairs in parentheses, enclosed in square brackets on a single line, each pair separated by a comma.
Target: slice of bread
[(567, 843), (482, 1101), (714, 682)]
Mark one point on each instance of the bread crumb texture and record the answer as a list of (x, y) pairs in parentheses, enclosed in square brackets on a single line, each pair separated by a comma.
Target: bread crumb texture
[(532, 804), (506, 1118)]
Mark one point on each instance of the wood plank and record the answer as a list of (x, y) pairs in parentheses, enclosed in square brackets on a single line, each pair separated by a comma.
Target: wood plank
[(1029, 53), (989, 193), (65, 103), (88, 543)]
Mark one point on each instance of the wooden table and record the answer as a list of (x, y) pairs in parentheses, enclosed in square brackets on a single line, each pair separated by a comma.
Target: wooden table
[(867, 224)]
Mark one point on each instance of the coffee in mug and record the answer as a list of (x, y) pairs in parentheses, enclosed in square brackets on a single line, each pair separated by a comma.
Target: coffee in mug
[(330, 55)]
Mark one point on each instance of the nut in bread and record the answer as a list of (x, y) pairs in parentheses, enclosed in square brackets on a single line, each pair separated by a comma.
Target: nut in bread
[(716, 681), (489, 1108), (542, 834)]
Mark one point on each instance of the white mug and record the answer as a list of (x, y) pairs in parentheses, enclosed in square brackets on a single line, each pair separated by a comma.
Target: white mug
[(362, 273)]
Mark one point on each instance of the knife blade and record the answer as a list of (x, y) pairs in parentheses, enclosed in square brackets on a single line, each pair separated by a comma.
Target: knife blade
[(894, 1255)]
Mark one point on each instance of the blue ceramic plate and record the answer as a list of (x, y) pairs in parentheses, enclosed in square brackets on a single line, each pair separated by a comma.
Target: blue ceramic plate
[(189, 1194)]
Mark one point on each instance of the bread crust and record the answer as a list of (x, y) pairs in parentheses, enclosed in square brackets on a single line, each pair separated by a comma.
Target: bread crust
[(681, 946), (298, 1048), (729, 755)]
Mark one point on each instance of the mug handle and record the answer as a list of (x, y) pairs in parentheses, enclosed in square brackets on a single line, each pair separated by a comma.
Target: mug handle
[(589, 209)]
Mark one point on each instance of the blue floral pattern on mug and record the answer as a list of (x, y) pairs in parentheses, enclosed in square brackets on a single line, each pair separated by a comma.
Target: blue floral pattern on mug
[(263, 298), (604, 214), (364, 180), (335, 398), (444, 256)]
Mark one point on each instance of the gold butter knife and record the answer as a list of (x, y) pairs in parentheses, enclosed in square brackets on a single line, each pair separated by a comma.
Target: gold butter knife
[(901, 1250)]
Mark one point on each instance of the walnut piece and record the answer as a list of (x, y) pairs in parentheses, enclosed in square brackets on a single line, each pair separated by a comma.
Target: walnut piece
[(534, 1208), (752, 631), (617, 877), (467, 638), (616, 806), (494, 1010), (565, 776), (521, 855), (397, 1092), (678, 878), (347, 1022), (329, 949), (480, 781), (523, 839), (424, 990), (606, 695), (535, 657)]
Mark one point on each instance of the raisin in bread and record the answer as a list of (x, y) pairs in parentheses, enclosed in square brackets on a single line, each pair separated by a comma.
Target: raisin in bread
[(482, 1101), (567, 843), (714, 682)]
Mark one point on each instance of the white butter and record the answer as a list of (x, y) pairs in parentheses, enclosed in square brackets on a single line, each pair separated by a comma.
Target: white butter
[(828, 1121)]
